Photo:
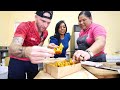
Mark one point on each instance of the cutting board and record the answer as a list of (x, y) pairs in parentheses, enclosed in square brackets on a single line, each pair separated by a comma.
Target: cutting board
[(103, 73)]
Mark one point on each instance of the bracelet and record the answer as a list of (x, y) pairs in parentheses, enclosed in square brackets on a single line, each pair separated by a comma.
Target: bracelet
[(90, 53)]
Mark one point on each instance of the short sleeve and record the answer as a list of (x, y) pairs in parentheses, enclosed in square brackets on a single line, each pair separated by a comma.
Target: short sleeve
[(68, 36), (53, 40), (21, 30), (99, 31)]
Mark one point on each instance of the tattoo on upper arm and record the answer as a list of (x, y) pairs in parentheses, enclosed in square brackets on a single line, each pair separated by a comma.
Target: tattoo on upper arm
[(18, 40)]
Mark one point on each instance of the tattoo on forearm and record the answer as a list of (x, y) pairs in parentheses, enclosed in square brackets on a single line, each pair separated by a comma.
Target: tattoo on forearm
[(18, 51), (16, 47)]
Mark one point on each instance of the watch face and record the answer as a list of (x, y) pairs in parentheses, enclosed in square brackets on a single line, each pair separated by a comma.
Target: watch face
[(91, 54)]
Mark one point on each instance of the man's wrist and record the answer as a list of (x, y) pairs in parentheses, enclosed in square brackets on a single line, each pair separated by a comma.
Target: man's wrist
[(90, 53), (26, 52), (23, 52)]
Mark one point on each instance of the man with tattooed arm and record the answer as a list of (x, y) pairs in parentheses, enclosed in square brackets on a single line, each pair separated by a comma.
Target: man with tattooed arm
[(26, 50)]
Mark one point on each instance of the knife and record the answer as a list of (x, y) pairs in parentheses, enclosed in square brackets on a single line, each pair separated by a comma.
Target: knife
[(90, 63), (99, 65)]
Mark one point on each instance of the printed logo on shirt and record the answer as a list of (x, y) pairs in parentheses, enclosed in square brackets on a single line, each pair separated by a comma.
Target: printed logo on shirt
[(33, 39)]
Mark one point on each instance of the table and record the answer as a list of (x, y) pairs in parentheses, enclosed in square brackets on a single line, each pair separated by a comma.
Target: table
[(82, 74), (104, 73)]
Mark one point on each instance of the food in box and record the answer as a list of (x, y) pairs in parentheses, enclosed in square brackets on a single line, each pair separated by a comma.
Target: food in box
[(62, 68)]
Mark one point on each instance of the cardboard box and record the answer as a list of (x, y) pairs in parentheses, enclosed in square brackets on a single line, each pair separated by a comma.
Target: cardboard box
[(59, 72)]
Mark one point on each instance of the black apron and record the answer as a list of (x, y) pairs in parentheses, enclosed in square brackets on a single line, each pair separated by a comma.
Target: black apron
[(83, 45)]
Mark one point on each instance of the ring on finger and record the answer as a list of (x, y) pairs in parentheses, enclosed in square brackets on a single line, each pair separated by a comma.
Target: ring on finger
[(82, 57)]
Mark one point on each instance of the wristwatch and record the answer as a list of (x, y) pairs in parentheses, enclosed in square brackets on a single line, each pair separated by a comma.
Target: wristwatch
[(90, 53)]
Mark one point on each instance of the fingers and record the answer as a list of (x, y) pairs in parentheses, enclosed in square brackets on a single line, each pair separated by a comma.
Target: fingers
[(76, 57), (81, 58), (42, 49), (81, 55), (52, 46), (38, 54), (41, 54), (38, 59)]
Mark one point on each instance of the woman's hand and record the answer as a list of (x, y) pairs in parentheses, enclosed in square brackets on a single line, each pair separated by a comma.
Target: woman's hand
[(37, 54), (80, 55)]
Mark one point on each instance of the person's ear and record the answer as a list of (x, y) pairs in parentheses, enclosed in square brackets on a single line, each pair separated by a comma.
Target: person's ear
[(90, 18), (35, 17)]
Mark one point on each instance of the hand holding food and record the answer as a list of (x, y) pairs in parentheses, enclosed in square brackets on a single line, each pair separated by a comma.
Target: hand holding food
[(37, 54), (81, 55), (52, 46), (59, 49)]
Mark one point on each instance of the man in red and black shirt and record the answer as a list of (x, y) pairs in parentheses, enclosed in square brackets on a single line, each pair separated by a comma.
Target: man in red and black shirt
[(25, 50)]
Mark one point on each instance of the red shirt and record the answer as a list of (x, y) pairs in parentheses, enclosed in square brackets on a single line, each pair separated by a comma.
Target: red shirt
[(31, 37)]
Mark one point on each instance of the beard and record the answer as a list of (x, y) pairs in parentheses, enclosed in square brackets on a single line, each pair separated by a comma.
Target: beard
[(40, 27)]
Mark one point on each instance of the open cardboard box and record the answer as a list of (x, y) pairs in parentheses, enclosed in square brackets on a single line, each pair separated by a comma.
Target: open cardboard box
[(59, 72)]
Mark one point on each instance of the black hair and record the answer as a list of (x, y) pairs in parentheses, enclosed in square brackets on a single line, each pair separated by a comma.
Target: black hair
[(57, 34), (86, 13)]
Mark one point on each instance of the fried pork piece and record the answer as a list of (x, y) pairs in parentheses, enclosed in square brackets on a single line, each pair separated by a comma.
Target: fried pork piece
[(59, 49), (63, 63)]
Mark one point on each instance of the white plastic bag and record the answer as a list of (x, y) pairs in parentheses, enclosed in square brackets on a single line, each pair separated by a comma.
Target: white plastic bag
[(3, 72)]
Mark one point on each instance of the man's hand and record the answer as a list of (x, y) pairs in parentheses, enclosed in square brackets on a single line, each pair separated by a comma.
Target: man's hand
[(52, 46), (37, 54)]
